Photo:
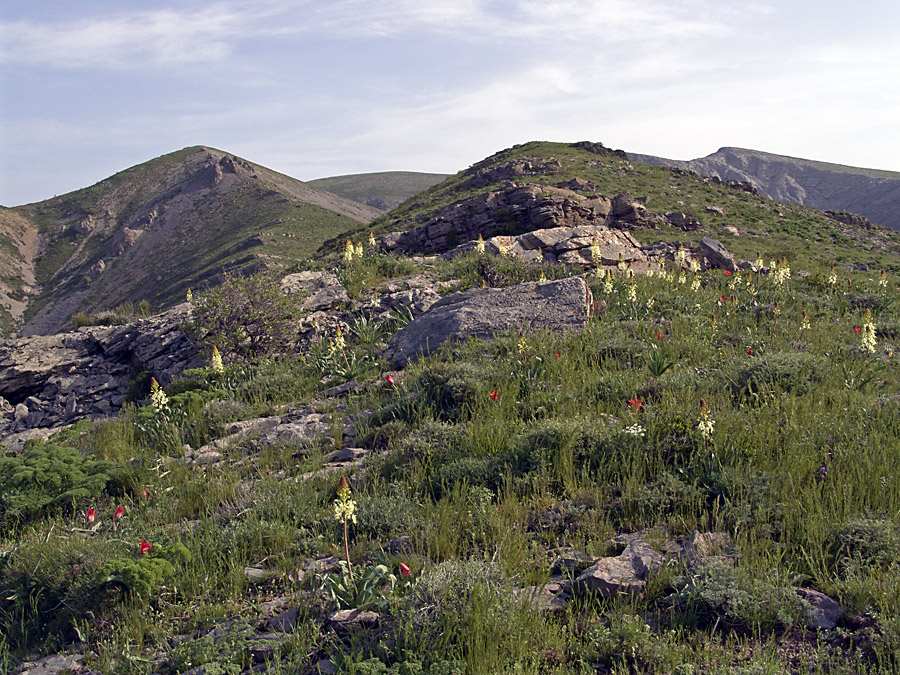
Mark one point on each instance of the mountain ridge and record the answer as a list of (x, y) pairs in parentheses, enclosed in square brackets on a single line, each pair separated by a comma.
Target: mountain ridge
[(151, 231), (873, 193)]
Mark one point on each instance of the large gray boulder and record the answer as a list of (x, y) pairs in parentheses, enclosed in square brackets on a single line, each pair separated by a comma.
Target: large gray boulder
[(485, 312)]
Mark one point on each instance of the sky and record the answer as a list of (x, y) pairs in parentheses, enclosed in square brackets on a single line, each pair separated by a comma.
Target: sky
[(322, 88)]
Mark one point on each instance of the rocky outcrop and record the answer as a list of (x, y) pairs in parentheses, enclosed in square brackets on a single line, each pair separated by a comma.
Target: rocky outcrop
[(516, 209), (50, 380), (486, 312), (624, 574), (566, 245)]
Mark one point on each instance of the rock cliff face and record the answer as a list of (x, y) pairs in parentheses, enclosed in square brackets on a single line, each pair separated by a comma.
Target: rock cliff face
[(868, 192), (517, 208), (50, 380)]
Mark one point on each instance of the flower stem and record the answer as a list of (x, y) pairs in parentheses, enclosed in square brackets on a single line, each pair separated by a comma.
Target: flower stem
[(347, 551)]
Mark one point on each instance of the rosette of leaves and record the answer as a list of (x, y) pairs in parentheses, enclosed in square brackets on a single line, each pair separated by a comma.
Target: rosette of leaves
[(144, 576), (46, 478)]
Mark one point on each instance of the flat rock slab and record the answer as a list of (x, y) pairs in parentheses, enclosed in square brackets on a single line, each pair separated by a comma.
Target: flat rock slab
[(486, 312)]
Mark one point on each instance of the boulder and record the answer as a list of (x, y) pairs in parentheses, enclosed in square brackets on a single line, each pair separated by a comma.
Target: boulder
[(821, 611), (317, 291), (486, 312), (717, 255), (624, 574)]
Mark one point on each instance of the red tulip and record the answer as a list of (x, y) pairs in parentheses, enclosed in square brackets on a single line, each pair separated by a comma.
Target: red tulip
[(90, 515), (635, 403), (750, 352), (120, 511), (495, 395), (727, 273), (723, 298), (389, 379), (145, 547), (404, 570), (659, 335), (857, 329)]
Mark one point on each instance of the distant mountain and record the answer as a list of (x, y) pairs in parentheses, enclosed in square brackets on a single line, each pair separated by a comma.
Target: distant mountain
[(385, 190), (871, 193), (154, 230)]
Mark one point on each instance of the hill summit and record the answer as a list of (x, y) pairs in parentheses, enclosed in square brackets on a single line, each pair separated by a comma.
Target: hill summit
[(152, 231)]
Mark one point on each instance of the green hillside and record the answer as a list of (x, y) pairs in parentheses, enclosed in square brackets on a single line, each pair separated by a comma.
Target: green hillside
[(383, 190)]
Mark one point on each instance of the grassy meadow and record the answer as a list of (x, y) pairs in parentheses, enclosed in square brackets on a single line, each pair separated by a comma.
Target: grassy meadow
[(763, 406)]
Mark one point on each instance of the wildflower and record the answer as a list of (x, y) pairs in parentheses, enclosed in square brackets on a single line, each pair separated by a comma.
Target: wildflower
[(479, 245), (404, 569), (635, 403), (358, 251), (695, 283), (543, 276), (857, 329), (608, 282), (158, 396), (659, 335), (495, 395), (804, 324), (339, 341), (680, 255), (523, 345), (694, 266), (649, 272), (832, 278), (682, 278), (348, 252), (144, 548), (632, 293), (629, 272), (650, 302), (90, 515), (215, 362), (120, 511), (501, 247), (372, 243), (868, 338), (389, 379), (727, 273), (750, 351), (735, 280), (190, 296), (635, 430), (344, 506), (882, 282), (723, 299), (621, 264), (706, 424), (595, 251), (557, 355), (759, 264)]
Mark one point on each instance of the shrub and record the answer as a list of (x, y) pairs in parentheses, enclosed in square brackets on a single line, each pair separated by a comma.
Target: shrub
[(47, 478), (246, 317), (790, 371), (866, 543), (143, 576)]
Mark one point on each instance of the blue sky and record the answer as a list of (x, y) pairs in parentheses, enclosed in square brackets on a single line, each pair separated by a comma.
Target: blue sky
[(315, 89)]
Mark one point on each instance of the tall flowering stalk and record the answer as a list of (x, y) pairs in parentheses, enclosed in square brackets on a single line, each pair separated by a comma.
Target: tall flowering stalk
[(868, 334), (832, 279), (344, 512), (706, 425), (595, 252), (158, 397), (215, 362), (348, 252), (372, 243), (479, 245)]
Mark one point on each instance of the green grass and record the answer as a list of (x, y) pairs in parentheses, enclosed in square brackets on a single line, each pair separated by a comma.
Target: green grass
[(486, 492)]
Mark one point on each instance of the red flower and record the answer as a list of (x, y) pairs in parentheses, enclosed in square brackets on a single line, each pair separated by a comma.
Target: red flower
[(659, 335), (750, 352), (727, 273), (857, 329), (90, 515), (404, 570), (144, 548), (389, 379), (635, 403), (723, 298), (495, 395), (120, 511), (557, 355)]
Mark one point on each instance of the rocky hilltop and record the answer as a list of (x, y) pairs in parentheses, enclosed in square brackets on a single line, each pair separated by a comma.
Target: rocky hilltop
[(151, 232), (867, 192)]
